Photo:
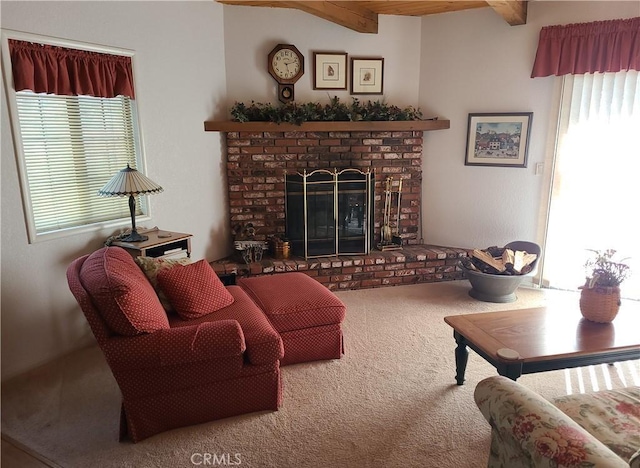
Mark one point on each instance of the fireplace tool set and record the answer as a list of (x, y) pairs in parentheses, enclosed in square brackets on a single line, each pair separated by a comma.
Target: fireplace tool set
[(389, 240)]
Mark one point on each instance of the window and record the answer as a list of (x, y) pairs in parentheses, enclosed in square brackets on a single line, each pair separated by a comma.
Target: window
[(594, 201), (68, 147)]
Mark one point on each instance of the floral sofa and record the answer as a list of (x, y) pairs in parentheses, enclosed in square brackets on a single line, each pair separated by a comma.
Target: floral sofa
[(600, 429)]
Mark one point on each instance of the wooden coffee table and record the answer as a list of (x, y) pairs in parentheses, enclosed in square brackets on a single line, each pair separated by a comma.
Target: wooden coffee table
[(547, 338)]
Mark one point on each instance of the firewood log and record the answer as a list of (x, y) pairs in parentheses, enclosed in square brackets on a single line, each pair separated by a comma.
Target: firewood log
[(508, 257), (522, 260), (468, 264), (489, 260), (518, 261), (529, 258)]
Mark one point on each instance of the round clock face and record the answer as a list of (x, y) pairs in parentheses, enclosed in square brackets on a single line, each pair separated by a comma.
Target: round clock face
[(286, 64)]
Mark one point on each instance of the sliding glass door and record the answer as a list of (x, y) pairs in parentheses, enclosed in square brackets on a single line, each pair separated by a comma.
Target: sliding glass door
[(595, 196)]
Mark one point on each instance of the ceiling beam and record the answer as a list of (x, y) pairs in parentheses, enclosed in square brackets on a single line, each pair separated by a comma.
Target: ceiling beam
[(343, 13), (514, 12), (362, 16)]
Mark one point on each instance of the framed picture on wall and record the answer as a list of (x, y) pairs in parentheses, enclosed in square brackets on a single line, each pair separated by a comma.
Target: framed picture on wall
[(330, 70), (498, 139), (366, 75)]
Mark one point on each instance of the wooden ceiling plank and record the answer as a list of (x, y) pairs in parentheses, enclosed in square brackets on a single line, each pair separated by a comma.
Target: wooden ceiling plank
[(514, 12), (346, 14), (419, 7), (254, 3), (362, 16)]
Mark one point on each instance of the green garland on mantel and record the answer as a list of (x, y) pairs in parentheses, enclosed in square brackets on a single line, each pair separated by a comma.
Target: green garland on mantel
[(295, 113)]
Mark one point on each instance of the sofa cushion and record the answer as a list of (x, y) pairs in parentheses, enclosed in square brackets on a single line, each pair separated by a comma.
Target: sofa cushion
[(294, 301), (194, 290), (121, 292), (528, 430), (263, 342), (611, 416), (634, 461), (151, 266)]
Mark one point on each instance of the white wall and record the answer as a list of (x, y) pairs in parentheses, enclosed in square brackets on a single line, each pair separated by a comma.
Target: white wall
[(473, 61), (180, 76), (251, 33)]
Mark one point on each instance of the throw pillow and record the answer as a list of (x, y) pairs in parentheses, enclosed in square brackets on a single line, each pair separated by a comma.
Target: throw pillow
[(194, 290), (152, 266), (121, 293)]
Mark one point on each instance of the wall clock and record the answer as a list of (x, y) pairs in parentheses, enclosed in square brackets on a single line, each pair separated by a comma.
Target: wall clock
[(286, 66)]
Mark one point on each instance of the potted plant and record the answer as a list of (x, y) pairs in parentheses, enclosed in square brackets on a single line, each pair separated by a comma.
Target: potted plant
[(600, 295)]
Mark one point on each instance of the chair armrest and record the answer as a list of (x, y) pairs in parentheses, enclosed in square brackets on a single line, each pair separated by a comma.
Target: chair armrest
[(176, 346), (528, 430)]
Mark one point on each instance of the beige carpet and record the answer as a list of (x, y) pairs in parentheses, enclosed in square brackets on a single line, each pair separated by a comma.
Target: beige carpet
[(390, 402)]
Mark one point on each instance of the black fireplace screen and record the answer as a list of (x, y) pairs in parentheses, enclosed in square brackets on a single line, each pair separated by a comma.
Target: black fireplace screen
[(330, 212)]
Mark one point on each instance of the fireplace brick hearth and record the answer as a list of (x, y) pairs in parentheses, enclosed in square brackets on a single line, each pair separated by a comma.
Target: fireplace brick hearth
[(413, 264)]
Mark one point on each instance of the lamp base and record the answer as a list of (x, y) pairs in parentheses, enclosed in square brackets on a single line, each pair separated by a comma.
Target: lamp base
[(134, 237)]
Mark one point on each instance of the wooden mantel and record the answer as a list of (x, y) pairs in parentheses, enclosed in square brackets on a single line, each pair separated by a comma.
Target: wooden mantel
[(396, 125)]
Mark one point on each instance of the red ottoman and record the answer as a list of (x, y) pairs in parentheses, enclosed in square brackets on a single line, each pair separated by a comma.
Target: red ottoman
[(305, 313)]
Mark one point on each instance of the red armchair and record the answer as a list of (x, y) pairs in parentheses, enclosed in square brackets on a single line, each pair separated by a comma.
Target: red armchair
[(172, 372)]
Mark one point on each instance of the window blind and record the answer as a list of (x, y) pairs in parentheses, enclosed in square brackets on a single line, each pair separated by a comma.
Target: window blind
[(72, 146)]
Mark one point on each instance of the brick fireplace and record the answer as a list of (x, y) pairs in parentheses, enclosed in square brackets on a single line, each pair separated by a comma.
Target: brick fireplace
[(259, 157), (258, 161)]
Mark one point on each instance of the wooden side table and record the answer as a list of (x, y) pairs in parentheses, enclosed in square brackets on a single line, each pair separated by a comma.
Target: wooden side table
[(160, 244)]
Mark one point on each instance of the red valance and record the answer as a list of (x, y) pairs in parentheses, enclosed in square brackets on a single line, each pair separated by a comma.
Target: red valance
[(601, 46), (70, 72)]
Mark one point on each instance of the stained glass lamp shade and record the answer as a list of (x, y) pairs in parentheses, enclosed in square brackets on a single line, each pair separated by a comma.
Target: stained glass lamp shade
[(129, 182)]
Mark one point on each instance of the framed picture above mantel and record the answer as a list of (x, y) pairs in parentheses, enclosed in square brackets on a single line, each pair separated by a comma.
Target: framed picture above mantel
[(498, 139), (330, 70), (367, 75)]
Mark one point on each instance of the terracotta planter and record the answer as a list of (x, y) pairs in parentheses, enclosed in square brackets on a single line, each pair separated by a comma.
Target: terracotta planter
[(600, 304)]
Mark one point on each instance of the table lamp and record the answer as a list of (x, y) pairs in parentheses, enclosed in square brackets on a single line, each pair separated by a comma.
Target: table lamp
[(132, 183)]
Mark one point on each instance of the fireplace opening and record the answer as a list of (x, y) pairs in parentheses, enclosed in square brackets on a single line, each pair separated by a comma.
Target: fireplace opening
[(329, 212)]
